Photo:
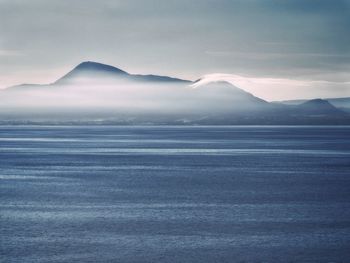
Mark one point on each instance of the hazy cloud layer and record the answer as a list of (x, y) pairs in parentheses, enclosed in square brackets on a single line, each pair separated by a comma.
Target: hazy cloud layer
[(297, 40)]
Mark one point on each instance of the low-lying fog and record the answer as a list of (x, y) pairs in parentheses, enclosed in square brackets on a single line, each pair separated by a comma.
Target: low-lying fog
[(129, 96)]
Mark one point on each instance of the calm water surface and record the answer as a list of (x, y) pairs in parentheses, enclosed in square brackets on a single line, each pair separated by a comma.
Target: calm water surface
[(174, 194)]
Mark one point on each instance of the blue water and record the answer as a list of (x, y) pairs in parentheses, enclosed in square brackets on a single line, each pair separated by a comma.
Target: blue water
[(174, 194)]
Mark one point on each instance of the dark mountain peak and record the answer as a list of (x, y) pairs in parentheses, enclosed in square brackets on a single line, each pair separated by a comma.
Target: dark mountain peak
[(318, 103), (95, 66), (91, 69), (319, 107)]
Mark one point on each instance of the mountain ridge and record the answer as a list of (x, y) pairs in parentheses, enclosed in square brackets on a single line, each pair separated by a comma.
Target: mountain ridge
[(342, 102), (87, 67), (319, 107), (122, 97), (104, 70)]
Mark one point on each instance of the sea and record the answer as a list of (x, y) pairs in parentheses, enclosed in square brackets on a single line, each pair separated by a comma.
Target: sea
[(174, 194)]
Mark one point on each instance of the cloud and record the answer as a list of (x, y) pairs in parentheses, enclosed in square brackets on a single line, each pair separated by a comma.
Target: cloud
[(272, 89)]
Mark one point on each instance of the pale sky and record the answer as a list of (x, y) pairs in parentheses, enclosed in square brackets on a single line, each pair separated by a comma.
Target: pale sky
[(276, 49)]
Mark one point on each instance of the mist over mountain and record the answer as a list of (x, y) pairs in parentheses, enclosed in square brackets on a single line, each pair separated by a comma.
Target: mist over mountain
[(95, 92)]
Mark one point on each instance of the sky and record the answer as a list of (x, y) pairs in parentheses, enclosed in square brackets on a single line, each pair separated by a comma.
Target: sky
[(276, 49)]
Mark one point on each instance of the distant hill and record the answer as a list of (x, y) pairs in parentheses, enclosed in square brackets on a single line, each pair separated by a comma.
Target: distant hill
[(337, 102), (318, 107)]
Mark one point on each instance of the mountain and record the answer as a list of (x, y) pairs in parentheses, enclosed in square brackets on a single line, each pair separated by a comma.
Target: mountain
[(340, 102), (97, 71), (94, 72), (230, 97), (230, 90), (90, 70), (98, 93), (318, 107), (337, 102)]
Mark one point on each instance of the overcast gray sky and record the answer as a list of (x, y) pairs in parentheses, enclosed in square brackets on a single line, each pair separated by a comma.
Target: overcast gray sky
[(276, 49)]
